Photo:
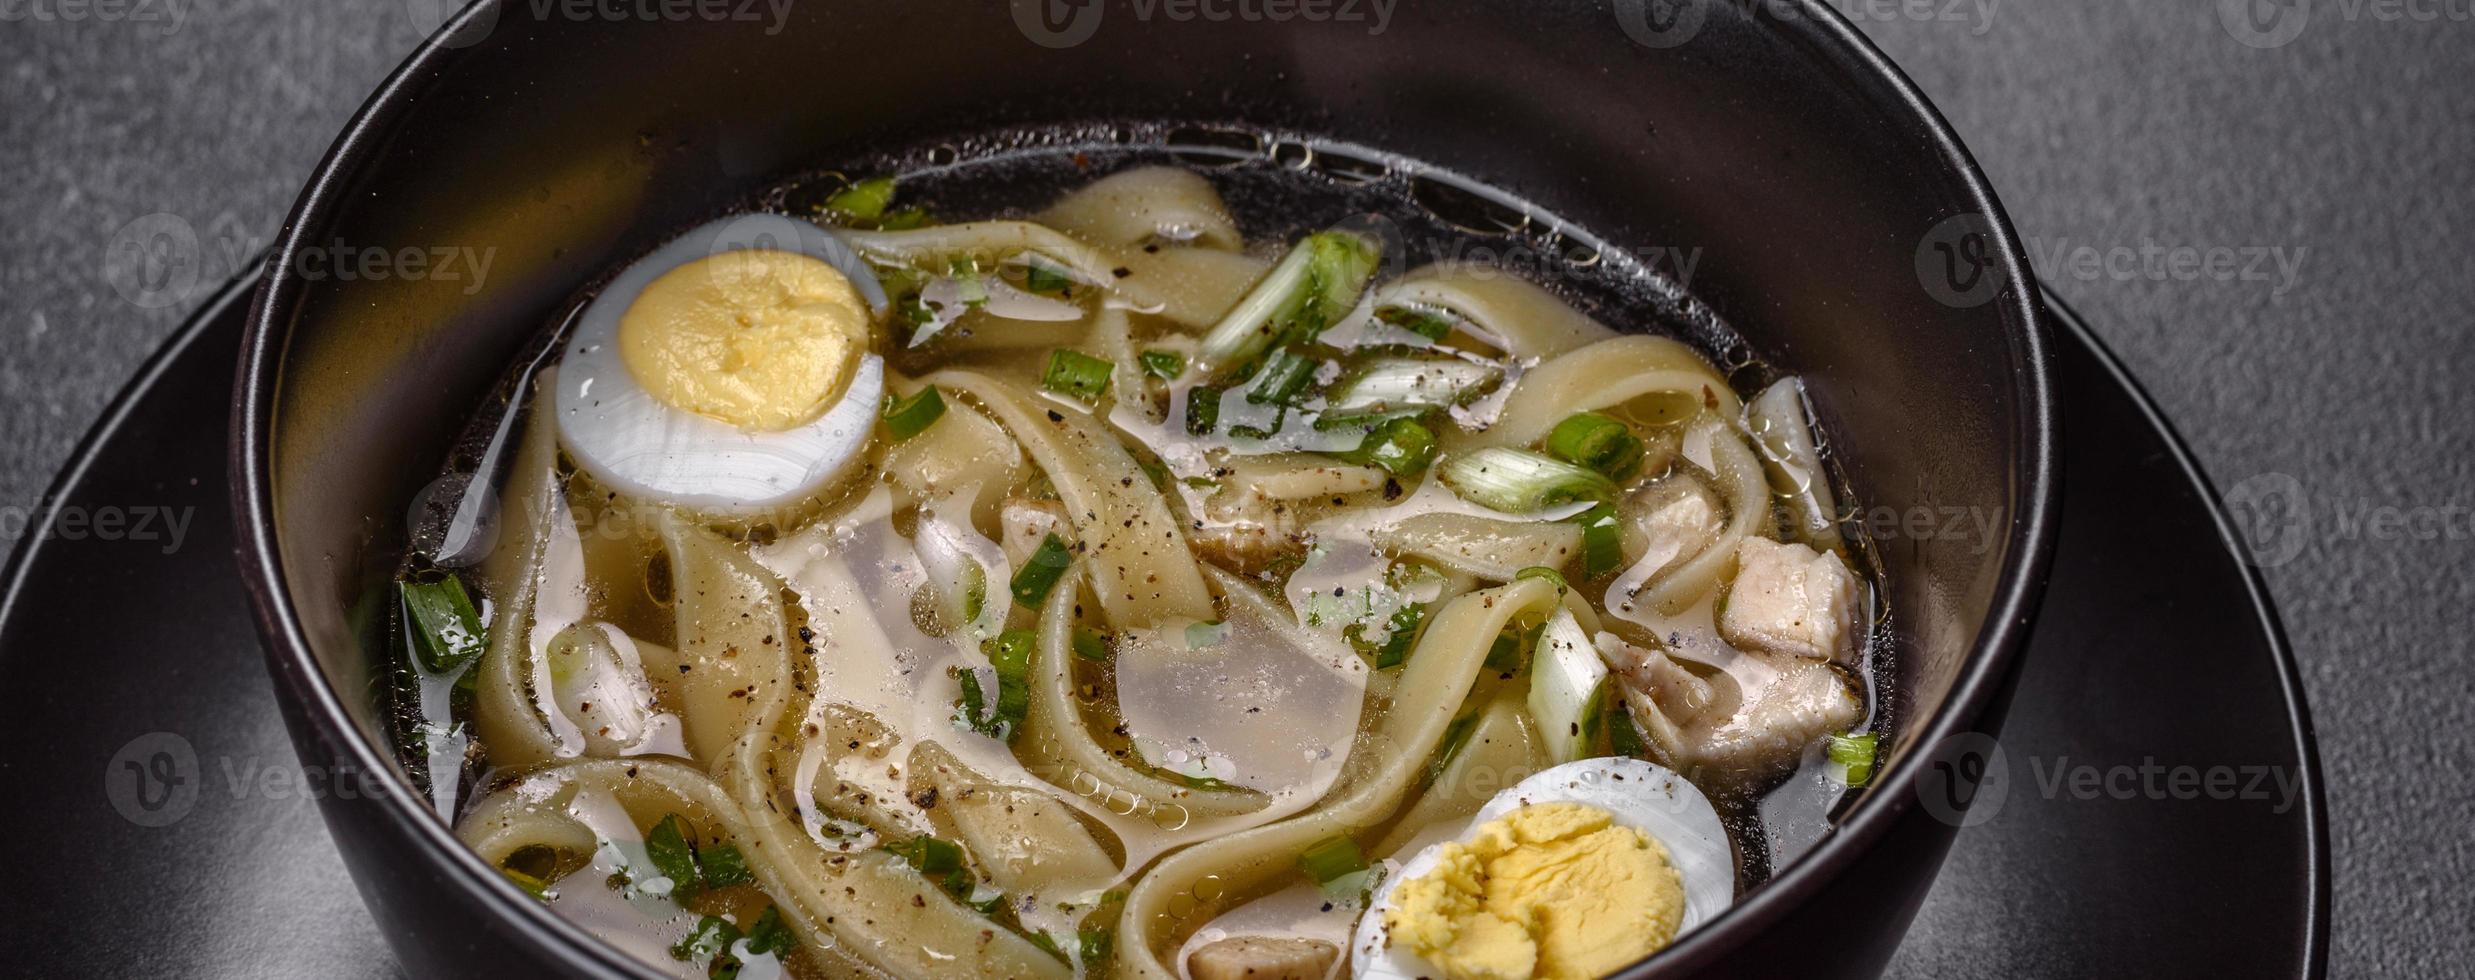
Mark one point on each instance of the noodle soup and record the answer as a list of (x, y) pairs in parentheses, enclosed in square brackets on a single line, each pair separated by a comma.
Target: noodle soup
[(1087, 586)]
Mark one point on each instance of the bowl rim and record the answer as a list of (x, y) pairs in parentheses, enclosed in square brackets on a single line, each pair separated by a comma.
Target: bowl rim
[(1982, 679)]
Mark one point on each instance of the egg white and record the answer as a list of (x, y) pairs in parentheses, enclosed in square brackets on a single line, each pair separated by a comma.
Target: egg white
[(1641, 795), (628, 439)]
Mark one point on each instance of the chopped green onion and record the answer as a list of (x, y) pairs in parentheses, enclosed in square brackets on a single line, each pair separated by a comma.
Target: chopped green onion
[(1401, 447), (1623, 736), (1251, 431), (1504, 655), (1044, 275), (863, 202), (1331, 858), (1386, 385), (447, 632), (1202, 411), (1519, 482), (666, 845), (1456, 736), (1009, 653), (1402, 633), (1166, 365), (985, 901), (904, 219), (723, 865), (710, 942), (1602, 544), (1544, 574), (1854, 755), (907, 417), (1041, 572), (966, 276), (1094, 946), (1598, 442), (1090, 645), (1308, 290), (1420, 322), (1077, 375), (770, 934), (1285, 377), (933, 857)]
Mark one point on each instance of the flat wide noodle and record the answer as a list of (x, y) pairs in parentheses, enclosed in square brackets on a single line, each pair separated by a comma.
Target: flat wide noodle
[(987, 242), (532, 502), (1441, 670), (1603, 375), (1056, 733), (730, 666), (865, 902), (1141, 566), (1130, 208), (1530, 323)]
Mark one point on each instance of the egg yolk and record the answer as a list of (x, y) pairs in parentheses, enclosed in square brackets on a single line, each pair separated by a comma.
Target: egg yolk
[(759, 339), (1552, 890)]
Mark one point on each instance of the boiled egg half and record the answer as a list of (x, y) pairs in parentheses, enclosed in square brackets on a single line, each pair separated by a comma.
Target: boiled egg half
[(1577, 871), (730, 371)]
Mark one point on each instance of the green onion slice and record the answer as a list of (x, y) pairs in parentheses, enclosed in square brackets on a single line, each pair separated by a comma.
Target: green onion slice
[(1202, 411), (1090, 645), (1386, 385), (1602, 542), (1307, 291), (1041, 572), (1598, 442), (1517, 482), (907, 417), (1166, 365), (1331, 858), (447, 632), (666, 845), (1854, 755), (1077, 375), (1284, 379), (863, 202), (1401, 447)]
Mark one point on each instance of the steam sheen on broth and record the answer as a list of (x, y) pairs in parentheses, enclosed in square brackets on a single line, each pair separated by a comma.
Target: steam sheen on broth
[(1093, 591)]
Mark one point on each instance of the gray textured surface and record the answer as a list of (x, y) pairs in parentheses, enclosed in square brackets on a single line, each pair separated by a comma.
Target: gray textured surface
[(2110, 124)]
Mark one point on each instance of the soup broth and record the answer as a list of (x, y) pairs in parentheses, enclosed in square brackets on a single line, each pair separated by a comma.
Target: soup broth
[(1167, 555)]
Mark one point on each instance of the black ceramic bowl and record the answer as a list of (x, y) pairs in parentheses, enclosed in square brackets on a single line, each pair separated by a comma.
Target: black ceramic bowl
[(1843, 232)]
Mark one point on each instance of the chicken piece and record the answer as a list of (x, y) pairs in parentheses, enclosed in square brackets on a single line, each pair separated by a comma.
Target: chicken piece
[(1263, 958), (1024, 523), (1742, 726), (1671, 520), (1792, 601)]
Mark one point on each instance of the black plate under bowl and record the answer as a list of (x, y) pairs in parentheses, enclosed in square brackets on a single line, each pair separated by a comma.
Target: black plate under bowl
[(2153, 807)]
